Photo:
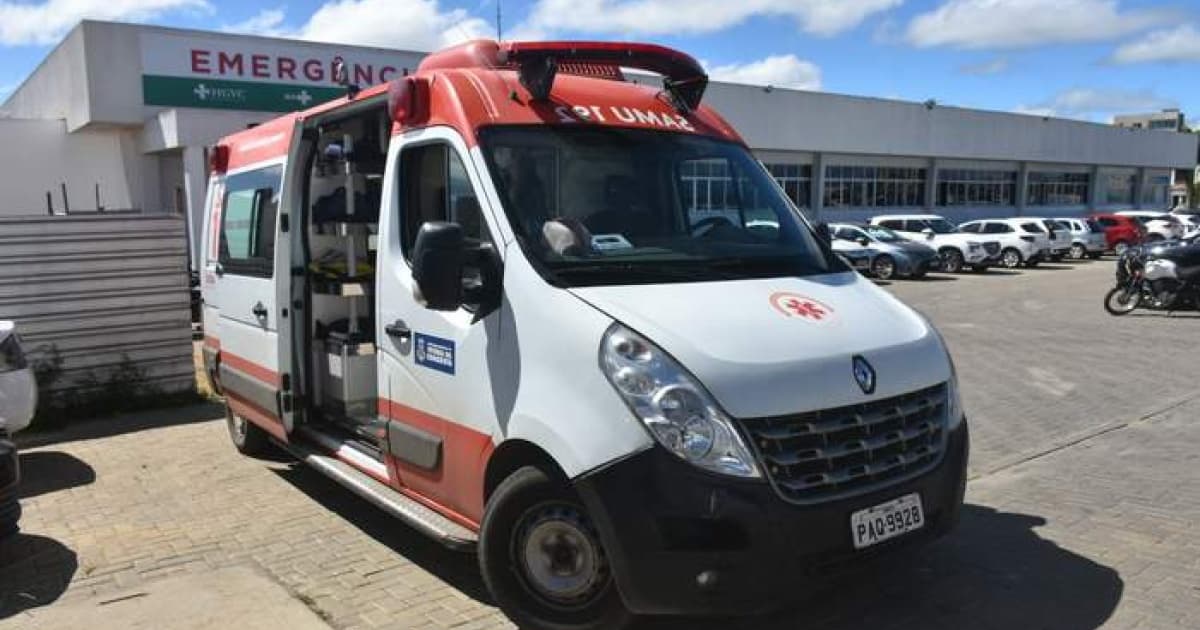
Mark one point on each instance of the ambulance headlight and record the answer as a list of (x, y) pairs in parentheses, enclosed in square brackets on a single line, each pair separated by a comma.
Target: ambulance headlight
[(680, 415)]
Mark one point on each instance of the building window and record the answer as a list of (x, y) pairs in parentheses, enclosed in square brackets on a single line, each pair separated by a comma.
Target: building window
[(1050, 188), (795, 179), (1155, 192), (874, 187), (1119, 189), (1163, 124), (969, 187)]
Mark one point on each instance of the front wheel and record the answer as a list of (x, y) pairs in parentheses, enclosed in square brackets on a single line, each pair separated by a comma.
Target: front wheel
[(1011, 258), (1122, 300), (1120, 248), (543, 561), (884, 267), (1078, 251), (952, 260)]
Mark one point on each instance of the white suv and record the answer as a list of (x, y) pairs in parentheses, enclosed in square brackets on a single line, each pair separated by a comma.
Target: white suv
[(1087, 237), (1160, 226), (1021, 243), (955, 249)]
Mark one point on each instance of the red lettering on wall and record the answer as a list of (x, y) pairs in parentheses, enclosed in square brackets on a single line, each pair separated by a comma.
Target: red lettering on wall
[(200, 61), (230, 62), (364, 75), (286, 68), (260, 66), (313, 70)]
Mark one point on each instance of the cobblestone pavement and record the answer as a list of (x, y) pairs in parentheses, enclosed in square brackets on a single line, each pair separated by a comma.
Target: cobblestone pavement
[(1084, 510)]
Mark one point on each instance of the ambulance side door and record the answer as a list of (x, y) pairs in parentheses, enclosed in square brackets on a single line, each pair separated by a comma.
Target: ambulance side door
[(435, 386), (247, 324)]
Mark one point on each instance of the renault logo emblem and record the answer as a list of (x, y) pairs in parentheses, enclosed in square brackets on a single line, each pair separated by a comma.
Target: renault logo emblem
[(864, 374)]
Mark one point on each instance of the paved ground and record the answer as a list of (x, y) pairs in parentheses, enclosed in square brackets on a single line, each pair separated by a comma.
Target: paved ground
[(1084, 509)]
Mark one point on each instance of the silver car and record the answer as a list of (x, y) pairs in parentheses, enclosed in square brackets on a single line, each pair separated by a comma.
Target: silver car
[(897, 256), (1087, 237)]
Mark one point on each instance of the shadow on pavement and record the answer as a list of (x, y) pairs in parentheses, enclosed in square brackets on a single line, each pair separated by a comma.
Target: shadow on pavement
[(1058, 266), (994, 571), (34, 571), (91, 429), (459, 570), (44, 472)]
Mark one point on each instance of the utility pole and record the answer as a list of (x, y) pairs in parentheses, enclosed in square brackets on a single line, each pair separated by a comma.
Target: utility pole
[(499, 24)]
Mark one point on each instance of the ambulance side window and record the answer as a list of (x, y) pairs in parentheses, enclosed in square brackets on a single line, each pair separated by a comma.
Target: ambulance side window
[(250, 204), (435, 187)]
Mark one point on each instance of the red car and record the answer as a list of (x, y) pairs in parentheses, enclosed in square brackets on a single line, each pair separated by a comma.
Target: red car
[(1120, 231)]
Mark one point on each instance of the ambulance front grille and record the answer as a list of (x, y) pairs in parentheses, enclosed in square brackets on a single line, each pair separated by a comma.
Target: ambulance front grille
[(834, 453)]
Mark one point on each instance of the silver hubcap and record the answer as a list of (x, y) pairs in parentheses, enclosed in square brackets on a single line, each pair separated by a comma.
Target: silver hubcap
[(884, 267), (560, 556), (1077, 251), (1011, 259)]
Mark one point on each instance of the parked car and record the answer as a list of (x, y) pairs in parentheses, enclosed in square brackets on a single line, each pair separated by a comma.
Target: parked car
[(856, 255), (1059, 236), (1190, 220), (897, 256), (1087, 237), (1120, 232), (956, 249), (1160, 226), (18, 399), (1022, 241), (1158, 247)]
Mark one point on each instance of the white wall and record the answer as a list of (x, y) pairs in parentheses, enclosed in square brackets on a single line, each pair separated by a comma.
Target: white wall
[(41, 155)]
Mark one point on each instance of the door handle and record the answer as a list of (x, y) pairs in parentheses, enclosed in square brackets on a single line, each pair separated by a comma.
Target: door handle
[(259, 311), (399, 330)]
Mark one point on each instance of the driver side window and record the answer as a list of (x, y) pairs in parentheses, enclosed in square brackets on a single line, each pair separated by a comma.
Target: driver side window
[(435, 187)]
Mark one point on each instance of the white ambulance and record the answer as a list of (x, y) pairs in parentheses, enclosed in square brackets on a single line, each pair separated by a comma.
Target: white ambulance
[(531, 309)]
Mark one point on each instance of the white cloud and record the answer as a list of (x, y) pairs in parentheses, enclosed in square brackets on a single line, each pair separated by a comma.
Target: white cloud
[(46, 22), (268, 22), (424, 25), (661, 17), (1097, 104), (980, 24), (777, 70), (1177, 44), (985, 68)]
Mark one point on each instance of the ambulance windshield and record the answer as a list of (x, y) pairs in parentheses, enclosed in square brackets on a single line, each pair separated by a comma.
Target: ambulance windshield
[(604, 205)]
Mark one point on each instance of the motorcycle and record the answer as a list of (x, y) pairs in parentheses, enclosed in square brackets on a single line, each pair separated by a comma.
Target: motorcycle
[(1167, 281)]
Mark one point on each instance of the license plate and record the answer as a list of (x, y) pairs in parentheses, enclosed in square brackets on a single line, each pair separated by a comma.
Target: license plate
[(886, 520)]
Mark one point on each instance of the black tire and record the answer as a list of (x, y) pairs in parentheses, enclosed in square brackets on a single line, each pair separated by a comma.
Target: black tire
[(1120, 247), (1011, 258), (529, 504), (1119, 301), (1078, 251), (883, 267), (952, 260), (10, 516), (248, 438)]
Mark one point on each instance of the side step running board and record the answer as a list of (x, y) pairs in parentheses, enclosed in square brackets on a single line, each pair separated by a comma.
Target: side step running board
[(414, 513)]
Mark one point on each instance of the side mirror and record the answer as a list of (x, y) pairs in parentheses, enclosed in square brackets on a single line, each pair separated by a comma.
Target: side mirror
[(437, 264), (864, 241), (928, 232), (823, 233)]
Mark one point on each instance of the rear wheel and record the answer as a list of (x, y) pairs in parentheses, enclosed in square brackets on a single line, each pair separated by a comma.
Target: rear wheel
[(1120, 248), (542, 559), (884, 267), (952, 260), (1122, 301), (248, 438), (1078, 251), (1010, 258)]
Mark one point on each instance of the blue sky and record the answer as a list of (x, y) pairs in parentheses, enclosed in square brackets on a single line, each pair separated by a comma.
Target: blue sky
[(1084, 59)]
